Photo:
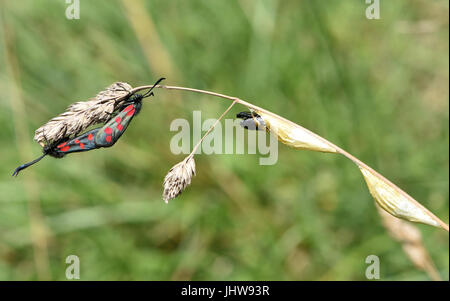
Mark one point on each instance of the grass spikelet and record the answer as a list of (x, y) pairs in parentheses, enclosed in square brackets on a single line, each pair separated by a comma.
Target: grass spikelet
[(395, 201), (178, 178), (293, 135), (411, 239), (80, 115)]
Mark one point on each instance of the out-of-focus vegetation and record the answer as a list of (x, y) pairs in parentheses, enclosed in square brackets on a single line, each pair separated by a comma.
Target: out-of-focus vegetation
[(377, 88)]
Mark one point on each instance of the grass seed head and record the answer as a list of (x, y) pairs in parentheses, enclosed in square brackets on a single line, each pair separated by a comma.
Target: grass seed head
[(178, 178)]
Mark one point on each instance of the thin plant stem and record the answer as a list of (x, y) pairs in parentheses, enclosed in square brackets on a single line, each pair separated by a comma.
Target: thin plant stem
[(332, 145), (210, 129)]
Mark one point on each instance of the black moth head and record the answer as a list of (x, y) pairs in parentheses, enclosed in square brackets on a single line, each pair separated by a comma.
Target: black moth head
[(246, 115), (136, 98), (248, 121)]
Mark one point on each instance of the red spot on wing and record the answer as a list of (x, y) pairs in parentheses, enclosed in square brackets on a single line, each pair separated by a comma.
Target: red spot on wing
[(65, 148), (90, 137), (120, 127), (118, 119), (130, 113), (77, 141), (108, 130), (108, 138), (128, 108), (82, 145), (61, 145)]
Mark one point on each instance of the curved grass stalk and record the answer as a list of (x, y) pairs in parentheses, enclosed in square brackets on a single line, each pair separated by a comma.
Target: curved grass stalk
[(388, 195)]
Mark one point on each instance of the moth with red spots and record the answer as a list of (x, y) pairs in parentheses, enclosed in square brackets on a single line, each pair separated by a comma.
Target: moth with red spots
[(105, 136)]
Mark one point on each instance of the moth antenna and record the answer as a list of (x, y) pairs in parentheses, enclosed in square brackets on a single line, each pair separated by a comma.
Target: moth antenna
[(149, 92), (23, 166)]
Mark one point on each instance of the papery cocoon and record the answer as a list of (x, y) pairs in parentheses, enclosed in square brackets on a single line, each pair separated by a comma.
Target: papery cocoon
[(294, 135), (396, 202)]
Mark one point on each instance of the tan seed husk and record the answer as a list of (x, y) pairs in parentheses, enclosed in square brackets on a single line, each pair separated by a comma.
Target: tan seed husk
[(393, 201)]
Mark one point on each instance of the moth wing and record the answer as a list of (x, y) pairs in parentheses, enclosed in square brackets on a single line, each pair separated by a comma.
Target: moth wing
[(81, 143), (116, 126)]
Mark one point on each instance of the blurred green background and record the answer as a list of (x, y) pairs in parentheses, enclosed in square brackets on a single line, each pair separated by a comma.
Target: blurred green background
[(377, 88)]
